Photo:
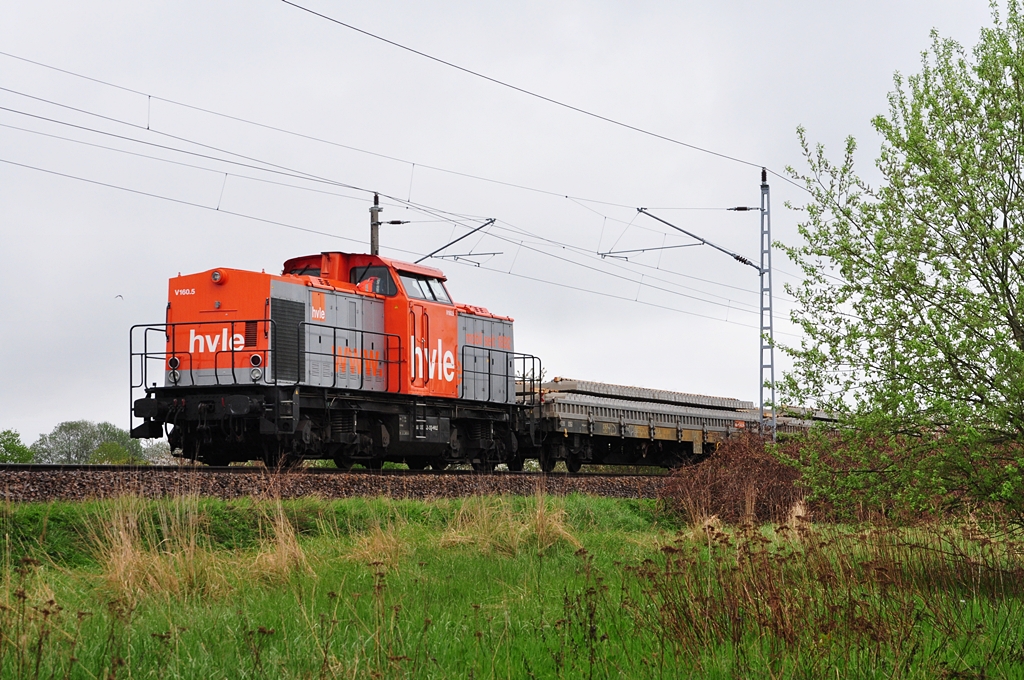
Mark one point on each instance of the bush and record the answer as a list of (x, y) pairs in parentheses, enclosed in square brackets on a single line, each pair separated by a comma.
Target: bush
[(742, 480)]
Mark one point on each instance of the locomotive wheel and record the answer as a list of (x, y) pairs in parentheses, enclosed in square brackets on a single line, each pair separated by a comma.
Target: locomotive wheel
[(547, 462), (438, 464), (573, 465), (374, 464), (292, 461), (272, 457), (343, 463), (515, 464), (416, 463), (483, 466)]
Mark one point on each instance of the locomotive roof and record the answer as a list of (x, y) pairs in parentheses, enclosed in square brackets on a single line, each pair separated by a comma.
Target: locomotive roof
[(411, 268), (407, 267)]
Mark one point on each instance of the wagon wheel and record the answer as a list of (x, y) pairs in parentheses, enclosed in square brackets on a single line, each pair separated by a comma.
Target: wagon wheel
[(547, 461)]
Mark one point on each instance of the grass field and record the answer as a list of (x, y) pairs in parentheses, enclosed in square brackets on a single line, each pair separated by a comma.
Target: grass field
[(503, 587)]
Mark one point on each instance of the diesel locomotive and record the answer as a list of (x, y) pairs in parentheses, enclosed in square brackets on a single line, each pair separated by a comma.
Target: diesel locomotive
[(359, 358)]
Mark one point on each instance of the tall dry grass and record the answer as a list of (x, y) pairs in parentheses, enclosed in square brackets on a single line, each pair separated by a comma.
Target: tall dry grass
[(280, 555), (163, 549), (383, 544), (146, 549), (828, 596), (494, 525)]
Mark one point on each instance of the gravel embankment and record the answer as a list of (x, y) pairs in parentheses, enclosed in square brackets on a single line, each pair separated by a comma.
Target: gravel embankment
[(25, 486)]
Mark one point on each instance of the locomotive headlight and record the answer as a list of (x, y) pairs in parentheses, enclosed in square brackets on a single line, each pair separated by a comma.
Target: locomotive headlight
[(173, 363), (256, 374), (218, 276), (174, 377), (256, 360)]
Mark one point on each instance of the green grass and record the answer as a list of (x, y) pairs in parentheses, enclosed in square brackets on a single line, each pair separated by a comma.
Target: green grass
[(502, 587)]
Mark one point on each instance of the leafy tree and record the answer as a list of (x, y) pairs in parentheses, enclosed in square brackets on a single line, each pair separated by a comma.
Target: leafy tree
[(113, 453), (912, 305), (158, 452), (82, 441), (111, 433), (11, 448), (71, 442)]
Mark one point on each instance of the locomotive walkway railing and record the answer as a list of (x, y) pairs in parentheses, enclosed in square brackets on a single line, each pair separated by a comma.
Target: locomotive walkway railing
[(159, 344), (154, 346), (519, 373), (369, 364)]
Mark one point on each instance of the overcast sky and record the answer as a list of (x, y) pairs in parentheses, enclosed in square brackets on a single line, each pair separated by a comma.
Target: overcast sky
[(80, 262)]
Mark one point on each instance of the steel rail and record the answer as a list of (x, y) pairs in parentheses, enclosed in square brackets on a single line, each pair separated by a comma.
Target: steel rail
[(240, 469)]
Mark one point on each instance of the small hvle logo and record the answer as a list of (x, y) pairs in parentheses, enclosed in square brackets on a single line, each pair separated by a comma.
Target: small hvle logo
[(318, 310)]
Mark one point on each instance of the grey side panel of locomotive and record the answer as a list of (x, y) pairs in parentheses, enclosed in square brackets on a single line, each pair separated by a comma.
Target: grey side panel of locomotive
[(341, 346), (485, 354), (347, 349)]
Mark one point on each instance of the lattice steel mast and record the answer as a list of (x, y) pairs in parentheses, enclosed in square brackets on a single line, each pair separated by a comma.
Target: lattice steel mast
[(767, 316)]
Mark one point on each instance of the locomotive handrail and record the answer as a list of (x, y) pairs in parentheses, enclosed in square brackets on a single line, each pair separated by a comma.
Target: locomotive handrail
[(387, 361), (531, 380), (147, 355), (510, 358)]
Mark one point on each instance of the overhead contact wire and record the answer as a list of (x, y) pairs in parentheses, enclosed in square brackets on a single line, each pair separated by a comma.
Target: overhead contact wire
[(540, 96), (321, 140)]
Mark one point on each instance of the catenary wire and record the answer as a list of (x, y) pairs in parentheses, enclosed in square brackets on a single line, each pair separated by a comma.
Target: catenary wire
[(300, 173), (345, 238), (732, 304), (180, 163), (280, 169), (321, 140), (542, 97), (338, 144), (640, 282), (344, 196), (307, 176)]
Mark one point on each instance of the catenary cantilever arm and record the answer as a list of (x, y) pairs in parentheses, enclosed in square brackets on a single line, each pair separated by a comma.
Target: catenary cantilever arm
[(451, 243), (736, 256)]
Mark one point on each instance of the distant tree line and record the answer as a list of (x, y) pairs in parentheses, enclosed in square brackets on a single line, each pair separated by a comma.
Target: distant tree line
[(82, 442)]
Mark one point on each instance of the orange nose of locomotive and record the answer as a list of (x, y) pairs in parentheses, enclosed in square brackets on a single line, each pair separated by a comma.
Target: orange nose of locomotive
[(217, 328)]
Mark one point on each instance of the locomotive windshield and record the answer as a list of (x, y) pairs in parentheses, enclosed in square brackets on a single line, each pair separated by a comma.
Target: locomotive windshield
[(425, 288), (383, 284)]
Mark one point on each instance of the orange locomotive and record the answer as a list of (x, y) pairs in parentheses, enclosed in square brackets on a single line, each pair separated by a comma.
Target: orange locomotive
[(351, 357)]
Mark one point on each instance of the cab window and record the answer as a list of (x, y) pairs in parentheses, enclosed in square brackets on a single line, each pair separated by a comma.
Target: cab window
[(424, 288), (381, 283), (437, 288)]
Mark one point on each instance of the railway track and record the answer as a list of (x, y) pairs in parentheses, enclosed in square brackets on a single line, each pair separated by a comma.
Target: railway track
[(44, 483), (260, 469)]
